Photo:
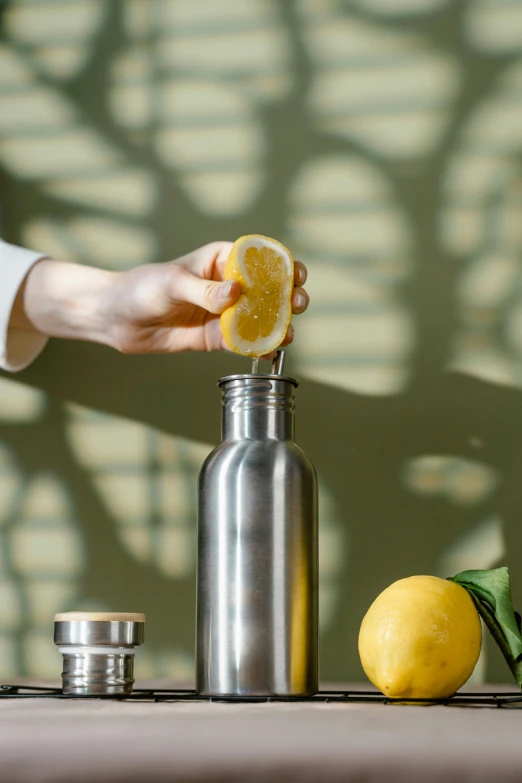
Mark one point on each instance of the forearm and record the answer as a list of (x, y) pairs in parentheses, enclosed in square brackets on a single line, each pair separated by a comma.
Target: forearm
[(152, 308), (64, 300)]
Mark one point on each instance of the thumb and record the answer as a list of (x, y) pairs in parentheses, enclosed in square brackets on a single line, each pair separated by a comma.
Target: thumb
[(208, 294)]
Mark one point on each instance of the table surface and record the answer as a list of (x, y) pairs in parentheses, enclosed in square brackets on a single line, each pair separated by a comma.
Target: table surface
[(105, 740)]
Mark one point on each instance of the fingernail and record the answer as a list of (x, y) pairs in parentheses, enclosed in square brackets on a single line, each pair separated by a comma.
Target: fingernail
[(300, 301), (226, 289)]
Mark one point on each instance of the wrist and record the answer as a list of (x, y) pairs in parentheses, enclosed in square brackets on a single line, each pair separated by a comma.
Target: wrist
[(65, 300)]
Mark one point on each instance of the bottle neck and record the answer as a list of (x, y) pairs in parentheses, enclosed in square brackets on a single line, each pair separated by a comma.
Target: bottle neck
[(258, 408)]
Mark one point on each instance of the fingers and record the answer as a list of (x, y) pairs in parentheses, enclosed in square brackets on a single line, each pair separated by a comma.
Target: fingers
[(211, 296), (212, 258), (193, 283), (209, 260), (300, 273), (300, 300)]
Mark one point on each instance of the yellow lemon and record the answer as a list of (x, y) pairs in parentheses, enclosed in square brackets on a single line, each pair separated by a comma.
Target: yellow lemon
[(420, 639), (257, 323)]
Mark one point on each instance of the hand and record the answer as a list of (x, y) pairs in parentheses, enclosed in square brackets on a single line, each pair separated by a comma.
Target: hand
[(166, 308), (154, 308)]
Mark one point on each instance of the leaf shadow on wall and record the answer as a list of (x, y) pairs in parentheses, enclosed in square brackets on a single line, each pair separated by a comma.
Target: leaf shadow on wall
[(357, 444)]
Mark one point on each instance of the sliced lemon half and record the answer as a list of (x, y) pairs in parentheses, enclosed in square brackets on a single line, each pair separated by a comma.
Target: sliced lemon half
[(257, 323)]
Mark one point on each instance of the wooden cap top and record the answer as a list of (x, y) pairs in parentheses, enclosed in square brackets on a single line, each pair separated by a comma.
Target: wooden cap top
[(106, 617)]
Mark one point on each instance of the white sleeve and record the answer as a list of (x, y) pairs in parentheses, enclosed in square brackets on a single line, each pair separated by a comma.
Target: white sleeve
[(18, 347)]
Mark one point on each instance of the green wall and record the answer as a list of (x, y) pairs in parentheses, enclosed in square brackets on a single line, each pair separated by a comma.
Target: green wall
[(381, 141)]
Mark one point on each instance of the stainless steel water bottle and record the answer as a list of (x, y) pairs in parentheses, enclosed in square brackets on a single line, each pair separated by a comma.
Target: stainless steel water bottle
[(257, 547)]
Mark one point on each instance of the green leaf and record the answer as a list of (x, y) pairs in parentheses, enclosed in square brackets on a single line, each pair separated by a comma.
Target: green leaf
[(493, 587), (494, 628), (490, 591)]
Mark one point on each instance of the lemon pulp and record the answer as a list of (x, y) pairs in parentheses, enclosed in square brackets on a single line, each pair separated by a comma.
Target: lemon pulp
[(257, 323)]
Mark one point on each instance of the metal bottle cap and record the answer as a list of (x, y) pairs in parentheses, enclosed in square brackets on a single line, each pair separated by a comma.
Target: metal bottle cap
[(98, 651)]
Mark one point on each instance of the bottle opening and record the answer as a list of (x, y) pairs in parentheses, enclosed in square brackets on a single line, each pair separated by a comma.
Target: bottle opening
[(276, 372), (258, 377)]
